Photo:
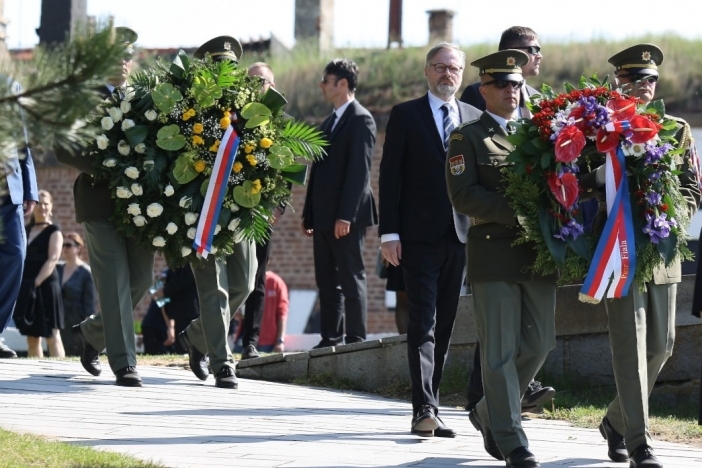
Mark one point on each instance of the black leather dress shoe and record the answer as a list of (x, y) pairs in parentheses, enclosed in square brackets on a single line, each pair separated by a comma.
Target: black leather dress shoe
[(521, 457), (536, 395), (615, 441), (196, 360), (89, 356), (643, 457), (225, 378), (128, 377), (488, 441), (424, 423), (442, 430), (250, 352), (6, 353), (324, 344)]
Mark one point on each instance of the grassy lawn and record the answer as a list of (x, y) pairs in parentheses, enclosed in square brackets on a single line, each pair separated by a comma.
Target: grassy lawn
[(22, 450)]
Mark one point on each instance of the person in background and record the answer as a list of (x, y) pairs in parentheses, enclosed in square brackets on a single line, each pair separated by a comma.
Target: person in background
[(77, 290), (157, 329), (183, 305), (18, 195), (275, 316), (39, 310)]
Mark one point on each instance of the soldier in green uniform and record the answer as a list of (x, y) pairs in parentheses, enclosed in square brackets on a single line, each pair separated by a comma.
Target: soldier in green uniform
[(514, 310), (222, 284), (122, 269), (642, 324)]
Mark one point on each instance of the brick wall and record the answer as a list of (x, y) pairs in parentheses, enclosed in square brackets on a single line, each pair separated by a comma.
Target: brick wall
[(291, 251)]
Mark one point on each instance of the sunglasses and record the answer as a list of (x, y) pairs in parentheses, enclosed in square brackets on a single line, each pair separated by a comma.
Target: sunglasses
[(502, 84), (327, 79), (69, 245), (639, 77), (533, 50)]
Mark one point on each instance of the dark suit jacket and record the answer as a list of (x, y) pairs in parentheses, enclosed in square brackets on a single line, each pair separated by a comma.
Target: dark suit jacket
[(339, 184), (471, 95), (21, 176), (413, 198)]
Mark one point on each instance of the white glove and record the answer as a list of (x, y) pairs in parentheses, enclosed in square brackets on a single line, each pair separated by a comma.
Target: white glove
[(600, 175)]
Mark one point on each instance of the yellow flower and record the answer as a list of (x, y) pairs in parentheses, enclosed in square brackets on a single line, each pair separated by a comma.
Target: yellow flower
[(197, 140), (198, 128), (251, 159), (215, 146), (249, 148), (225, 121), (238, 167), (266, 143), (255, 187), (188, 114), (199, 165)]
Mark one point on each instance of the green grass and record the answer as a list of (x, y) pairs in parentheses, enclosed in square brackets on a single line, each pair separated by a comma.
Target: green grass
[(23, 450)]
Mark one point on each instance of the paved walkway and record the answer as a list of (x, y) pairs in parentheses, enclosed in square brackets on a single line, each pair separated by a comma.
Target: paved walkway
[(182, 422)]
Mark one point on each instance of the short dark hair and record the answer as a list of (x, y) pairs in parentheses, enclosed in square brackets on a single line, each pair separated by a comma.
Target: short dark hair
[(343, 68), (516, 35)]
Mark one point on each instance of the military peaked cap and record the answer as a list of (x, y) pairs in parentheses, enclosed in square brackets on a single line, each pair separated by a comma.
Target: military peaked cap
[(503, 65), (639, 59), (220, 48)]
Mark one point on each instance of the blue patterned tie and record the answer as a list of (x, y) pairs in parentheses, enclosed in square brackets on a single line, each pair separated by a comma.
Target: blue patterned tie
[(450, 122)]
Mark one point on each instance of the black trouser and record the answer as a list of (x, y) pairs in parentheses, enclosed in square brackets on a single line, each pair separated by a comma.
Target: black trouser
[(254, 303)]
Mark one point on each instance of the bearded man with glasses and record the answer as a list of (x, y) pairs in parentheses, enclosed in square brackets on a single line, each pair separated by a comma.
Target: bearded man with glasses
[(514, 309), (418, 229)]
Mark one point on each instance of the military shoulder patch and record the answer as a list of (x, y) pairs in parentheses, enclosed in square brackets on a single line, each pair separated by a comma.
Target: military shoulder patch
[(455, 136), (457, 164)]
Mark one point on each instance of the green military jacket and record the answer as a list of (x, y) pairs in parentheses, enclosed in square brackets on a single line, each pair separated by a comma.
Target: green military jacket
[(688, 187), (476, 156)]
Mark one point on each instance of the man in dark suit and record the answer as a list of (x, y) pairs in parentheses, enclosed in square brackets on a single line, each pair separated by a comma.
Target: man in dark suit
[(514, 310), (339, 206), (18, 195), (417, 226), (122, 270), (526, 39)]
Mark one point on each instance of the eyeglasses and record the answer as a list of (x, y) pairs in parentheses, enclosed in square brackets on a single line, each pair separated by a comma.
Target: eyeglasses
[(68, 245), (441, 68), (639, 77), (502, 84), (533, 49)]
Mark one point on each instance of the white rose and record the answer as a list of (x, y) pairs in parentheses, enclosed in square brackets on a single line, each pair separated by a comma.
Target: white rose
[(190, 218), (127, 124), (185, 202), (141, 148), (154, 210), (148, 164), (185, 251), (131, 172), (128, 93), (133, 209), (151, 115), (213, 250), (111, 162), (123, 147), (159, 241), (115, 113), (217, 229), (136, 189), (191, 233), (168, 191), (102, 141), (107, 123), (123, 192), (234, 207), (140, 221), (125, 106), (171, 228), (233, 224)]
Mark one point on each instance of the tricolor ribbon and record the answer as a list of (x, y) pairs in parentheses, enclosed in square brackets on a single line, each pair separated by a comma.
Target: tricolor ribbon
[(615, 255), (216, 190)]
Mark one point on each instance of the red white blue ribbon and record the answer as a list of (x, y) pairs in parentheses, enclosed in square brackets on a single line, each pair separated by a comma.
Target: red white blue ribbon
[(615, 256), (216, 190)]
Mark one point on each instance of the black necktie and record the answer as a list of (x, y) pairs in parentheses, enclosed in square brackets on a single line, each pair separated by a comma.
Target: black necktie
[(331, 123)]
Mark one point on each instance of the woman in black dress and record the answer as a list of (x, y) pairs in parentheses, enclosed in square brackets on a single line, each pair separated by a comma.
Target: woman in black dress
[(39, 309), (77, 291)]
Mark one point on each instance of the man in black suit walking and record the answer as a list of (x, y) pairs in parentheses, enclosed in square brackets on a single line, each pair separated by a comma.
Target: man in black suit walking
[(417, 226), (339, 207), (526, 39)]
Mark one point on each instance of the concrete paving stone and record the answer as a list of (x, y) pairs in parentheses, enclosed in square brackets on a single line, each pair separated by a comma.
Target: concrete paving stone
[(292, 357), (322, 351), (394, 340), (278, 357), (184, 423), (360, 346)]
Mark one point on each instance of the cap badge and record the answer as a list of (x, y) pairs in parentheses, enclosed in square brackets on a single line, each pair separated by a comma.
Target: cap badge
[(511, 61), (646, 56), (227, 46)]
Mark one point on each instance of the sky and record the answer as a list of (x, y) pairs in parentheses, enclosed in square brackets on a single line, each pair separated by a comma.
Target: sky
[(364, 23)]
